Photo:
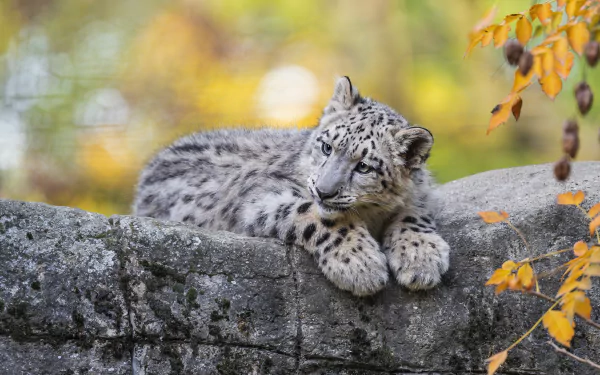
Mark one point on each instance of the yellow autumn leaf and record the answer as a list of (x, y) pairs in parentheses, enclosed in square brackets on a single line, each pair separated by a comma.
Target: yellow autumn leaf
[(501, 112), (533, 11), (592, 270), (551, 85), (594, 224), (560, 49), (501, 287), (584, 307), (492, 217), (567, 287), (594, 254), (521, 82), (544, 12), (525, 275), (488, 34), (580, 248), (537, 66), (560, 3), (559, 327), (595, 210), (585, 284), (556, 19), (568, 305), (576, 303), (547, 63), (563, 70), (475, 39), (569, 198), (501, 35), (576, 273), (496, 361), (574, 266), (573, 7), (524, 30), (499, 276), (578, 36), (509, 265)]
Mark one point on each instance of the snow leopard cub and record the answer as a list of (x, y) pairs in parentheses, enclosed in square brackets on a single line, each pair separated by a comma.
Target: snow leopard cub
[(352, 191)]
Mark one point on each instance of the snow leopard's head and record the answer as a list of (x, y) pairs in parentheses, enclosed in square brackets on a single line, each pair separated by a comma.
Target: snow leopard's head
[(363, 154)]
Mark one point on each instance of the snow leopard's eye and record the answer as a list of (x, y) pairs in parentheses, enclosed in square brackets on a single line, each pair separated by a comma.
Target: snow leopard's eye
[(363, 168), (326, 148)]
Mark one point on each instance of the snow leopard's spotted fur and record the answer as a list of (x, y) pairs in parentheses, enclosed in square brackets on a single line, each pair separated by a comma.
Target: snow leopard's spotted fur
[(267, 183)]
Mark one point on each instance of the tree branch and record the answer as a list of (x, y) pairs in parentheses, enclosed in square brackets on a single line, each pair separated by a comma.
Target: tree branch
[(582, 360)]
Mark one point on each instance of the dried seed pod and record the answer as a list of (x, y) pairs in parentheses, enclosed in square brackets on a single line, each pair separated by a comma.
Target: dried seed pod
[(562, 169), (571, 126), (513, 51), (570, 143), (525, 63), (592, 52), (584, 97)]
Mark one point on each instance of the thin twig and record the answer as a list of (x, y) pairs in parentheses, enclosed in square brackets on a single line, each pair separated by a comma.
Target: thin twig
[(547, 255), (550, 299), (537, 285), (532, 328), (582, 360), (552, 272)]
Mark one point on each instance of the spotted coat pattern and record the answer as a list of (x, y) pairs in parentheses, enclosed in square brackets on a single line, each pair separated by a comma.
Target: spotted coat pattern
[(353, 191)]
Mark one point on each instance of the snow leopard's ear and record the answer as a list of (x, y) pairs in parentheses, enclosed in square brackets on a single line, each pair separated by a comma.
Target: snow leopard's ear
[(412, 146), (345, 96)]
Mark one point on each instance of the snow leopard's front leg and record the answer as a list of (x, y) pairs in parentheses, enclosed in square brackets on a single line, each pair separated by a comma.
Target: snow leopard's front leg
[(417, 255), (345, 251)]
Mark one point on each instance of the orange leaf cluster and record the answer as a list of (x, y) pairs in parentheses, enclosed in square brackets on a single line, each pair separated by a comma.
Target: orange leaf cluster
[(514, 276), (511, 104), (552, 58), (571, 296), (580, 269), (560, 324), (569, 198), (576, 303), (593, 214)]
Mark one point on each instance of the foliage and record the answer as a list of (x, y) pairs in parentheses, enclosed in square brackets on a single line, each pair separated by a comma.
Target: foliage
[(547, 37), (571, 299), (563, 28)]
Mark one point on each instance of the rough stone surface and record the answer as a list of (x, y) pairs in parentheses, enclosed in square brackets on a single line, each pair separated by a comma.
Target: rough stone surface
[(84, 294)]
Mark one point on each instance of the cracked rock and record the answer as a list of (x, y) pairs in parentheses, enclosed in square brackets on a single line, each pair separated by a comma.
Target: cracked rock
[(80, 293)]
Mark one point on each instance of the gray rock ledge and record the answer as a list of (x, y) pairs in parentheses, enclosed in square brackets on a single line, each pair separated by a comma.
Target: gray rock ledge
[(84, 294)]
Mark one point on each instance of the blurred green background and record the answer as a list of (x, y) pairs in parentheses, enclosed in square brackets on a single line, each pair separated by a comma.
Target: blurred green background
[(91, 89)]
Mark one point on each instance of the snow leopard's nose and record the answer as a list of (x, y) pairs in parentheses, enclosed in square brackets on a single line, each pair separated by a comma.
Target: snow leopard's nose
[(323, 195)]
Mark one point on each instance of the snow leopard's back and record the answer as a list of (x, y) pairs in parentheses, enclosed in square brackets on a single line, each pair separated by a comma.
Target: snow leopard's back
[(202, 178)]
